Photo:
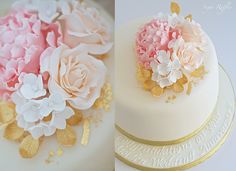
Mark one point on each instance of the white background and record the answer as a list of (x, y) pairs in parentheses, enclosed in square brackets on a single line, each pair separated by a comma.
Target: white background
[(218, 19)]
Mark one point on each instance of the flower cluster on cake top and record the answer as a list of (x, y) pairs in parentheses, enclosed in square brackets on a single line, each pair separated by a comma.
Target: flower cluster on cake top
[(51, 69), (170, 50)]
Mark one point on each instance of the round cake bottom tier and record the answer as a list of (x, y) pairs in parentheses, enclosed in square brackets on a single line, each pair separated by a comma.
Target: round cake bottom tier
[(152, 119)]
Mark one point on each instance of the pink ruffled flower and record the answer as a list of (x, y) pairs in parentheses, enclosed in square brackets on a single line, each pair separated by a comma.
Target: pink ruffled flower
[(23, 37), (153, 37)]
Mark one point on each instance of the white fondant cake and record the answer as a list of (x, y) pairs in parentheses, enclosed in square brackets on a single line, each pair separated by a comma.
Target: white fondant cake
[(97, 155), (146, 117)]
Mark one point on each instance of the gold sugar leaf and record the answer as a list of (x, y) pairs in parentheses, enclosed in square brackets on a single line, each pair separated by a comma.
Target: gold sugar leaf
[(67, 136), (189, 88), (178, 88), (13, 132), (175, 8), (183, 80), (29, 147), (86, 132), (199, 73), (47, 118), (157, 91), (189, 17), (105, 98), (7, 112), (143, 74), (149, 84), (75, 119)]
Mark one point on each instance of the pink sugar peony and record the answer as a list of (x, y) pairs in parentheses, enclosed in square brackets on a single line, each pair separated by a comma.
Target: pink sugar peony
[(153, 37), (23, 37)]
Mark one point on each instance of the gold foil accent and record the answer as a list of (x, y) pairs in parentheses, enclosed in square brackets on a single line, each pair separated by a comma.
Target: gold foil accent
[(29, 147), (7, 112), (182, 80), (189, 17), (149, 84), (178, 88), (75, 119), (13, 132), (59, 152), (67, 136), (86, 132), (103, 102), (157, 91), (199, 73), (51, 154), (48, 118), (174, 8), (189, 88)]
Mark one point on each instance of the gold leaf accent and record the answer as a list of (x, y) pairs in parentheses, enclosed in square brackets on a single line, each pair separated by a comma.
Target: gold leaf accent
[(157, 91), (86, 132), (178, 88), (149, 84), (7, 112), (75, 119), (13, 132), (143, 74), (189, 17), (67, 136), (59, 152), (175, 8), (182, 80), (189, 88), (29, 147), (47, 118), (199, 73), (103, 102)]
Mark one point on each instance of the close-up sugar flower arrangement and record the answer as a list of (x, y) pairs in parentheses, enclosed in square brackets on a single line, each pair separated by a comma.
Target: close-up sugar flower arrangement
[(51, 70), (170, 53)]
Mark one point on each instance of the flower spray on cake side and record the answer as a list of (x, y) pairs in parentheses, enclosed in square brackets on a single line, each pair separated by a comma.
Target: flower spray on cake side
[(52, 70), (170, 53)]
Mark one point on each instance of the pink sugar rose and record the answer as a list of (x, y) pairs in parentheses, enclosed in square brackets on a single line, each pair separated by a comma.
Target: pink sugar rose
[(23, 37), (153, 37)]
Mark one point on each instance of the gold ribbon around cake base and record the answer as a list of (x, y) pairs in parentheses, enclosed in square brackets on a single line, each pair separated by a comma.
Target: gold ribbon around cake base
[(162, 143)]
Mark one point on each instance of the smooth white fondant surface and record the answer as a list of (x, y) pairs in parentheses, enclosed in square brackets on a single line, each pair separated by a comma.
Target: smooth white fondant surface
[(151, 118), (98, 155)]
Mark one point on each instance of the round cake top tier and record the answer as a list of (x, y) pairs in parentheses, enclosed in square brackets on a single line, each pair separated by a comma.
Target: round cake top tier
[(170, 116)]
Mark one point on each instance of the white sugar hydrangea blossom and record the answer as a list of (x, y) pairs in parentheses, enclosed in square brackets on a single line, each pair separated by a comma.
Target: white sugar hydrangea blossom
[(166, 71), (33, 105)]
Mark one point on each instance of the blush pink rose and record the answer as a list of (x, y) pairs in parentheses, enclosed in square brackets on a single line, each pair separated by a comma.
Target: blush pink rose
[(190, 55), (191, 32), (23, 37), (85, 26), (77, 76), (153, 37)]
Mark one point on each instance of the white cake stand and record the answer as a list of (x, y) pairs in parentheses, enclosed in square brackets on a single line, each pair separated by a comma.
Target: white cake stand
[(191, 152)]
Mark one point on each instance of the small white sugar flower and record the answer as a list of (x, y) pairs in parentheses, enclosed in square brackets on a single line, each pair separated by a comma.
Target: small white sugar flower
[(32, 86), (166, 71)]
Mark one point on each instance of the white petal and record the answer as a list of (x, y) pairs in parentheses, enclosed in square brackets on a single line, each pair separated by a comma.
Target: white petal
[(36, 131), (57, 102), (29, 79), (49, 130), (58, 122), (26, 91)]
